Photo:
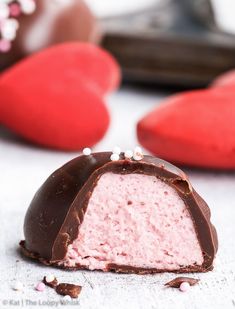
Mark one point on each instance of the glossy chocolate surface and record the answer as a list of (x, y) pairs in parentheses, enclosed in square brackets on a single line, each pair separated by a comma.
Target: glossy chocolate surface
[(57, 210)]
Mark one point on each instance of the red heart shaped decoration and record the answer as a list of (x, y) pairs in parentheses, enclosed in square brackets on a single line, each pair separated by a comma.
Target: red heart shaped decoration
[(54, 97), (195, 128), (90, 63)]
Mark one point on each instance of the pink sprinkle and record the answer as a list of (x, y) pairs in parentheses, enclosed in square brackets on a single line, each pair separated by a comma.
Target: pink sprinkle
[(15, 10), (5, 46), (184, 287), (40, 287)]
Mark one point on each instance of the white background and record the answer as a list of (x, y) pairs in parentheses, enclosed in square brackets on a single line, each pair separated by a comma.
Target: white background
[(223, 9)]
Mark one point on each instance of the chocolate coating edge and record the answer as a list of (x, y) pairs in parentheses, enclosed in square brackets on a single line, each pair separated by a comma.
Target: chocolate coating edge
[(48, 231)]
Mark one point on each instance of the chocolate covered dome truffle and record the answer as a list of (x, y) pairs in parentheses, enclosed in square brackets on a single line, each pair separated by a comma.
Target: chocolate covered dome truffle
[(51, 22), (110, 213)]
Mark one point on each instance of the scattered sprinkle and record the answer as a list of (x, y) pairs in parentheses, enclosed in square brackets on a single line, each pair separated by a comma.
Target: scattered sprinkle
[(4, 11), (15, 9), (128, 154), (27, 6), (114, 157), (9, 28), (117, 150), (18, 286), (175, 283), (86, 151), (138, 149), (40, 287), (184, 287), (50, 278), (138, 154), (67, 298), (137, 157)]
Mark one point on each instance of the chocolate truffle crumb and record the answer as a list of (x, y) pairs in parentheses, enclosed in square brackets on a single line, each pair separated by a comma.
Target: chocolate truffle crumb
[(72, 290), (175, 283)]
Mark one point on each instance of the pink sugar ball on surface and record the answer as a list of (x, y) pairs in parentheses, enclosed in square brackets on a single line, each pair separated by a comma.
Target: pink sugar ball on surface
[(184, 287), (40, 287)]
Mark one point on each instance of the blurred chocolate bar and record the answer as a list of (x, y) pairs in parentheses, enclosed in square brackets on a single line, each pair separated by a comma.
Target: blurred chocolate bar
[(174, 43)]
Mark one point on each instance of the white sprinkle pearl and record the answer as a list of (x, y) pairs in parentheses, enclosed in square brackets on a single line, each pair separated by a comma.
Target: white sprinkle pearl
[(117, 150), (67, 298), (114, 157), (138, 154), (28, 6), (4, 11), (9, 29), (138, 149), (137, 157), (18, 286), (128, 154), (86, 151), (50, 278), (13, 23)]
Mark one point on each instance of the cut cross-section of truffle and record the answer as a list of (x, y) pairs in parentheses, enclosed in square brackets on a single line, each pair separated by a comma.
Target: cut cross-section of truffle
[(125, 215)]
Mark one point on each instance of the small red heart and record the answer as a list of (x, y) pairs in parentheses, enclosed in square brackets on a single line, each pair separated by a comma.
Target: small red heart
[(53, 98), (195, 128)]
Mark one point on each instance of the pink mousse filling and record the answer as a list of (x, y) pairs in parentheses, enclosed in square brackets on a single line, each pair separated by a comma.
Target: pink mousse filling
[(135, 220)]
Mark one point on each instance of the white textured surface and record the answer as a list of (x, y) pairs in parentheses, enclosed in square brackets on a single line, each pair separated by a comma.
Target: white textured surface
[(23, 168)]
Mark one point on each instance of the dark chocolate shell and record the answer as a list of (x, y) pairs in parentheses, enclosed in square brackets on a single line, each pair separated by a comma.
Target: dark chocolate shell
[(57, 210)]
